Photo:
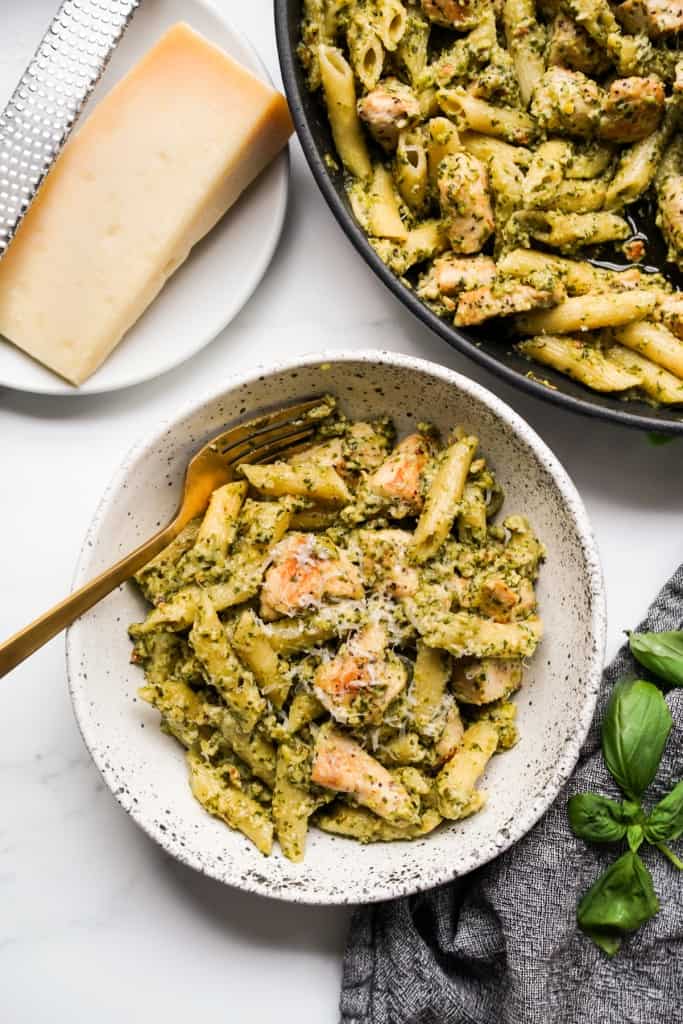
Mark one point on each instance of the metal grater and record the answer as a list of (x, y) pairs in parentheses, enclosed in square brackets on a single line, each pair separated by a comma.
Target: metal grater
[(47, 101)]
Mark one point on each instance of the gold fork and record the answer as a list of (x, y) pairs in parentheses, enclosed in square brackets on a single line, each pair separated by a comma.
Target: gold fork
[(261, 439)]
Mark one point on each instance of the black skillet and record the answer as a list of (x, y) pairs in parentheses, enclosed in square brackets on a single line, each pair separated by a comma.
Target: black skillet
[(490, 348)]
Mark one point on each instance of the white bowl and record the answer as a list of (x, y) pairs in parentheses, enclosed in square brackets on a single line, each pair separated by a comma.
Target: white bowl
[(145, 769)]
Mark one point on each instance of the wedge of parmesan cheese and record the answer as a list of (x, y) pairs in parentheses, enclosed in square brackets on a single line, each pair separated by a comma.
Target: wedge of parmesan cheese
[(154, 167)]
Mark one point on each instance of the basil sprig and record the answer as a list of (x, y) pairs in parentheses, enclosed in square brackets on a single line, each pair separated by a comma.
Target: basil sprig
[(661, 654), (634, 733)]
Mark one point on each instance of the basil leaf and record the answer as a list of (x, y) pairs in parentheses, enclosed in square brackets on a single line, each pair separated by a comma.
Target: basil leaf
[(596, 818), (635, 836), (607, 941), (661, 653), (665, 821), (634, 733), (620, 901)]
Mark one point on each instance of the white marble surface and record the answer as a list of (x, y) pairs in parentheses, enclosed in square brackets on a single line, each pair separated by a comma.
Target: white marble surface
[(95, 922)]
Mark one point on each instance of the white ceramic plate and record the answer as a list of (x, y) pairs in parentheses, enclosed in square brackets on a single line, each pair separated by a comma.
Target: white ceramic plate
[(146, 770), (223, 270)]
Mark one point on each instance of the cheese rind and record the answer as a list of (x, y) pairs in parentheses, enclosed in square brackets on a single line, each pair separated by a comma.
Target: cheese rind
[(155, 166)]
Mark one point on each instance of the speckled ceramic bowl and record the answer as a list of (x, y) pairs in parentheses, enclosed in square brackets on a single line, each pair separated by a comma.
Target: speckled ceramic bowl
[(145, 770)]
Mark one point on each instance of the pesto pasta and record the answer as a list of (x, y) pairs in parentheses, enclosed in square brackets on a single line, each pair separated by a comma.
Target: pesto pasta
[(492, 148), (337, 641)]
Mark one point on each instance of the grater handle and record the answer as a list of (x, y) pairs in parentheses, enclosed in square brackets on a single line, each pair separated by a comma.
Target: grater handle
[(46, 103)]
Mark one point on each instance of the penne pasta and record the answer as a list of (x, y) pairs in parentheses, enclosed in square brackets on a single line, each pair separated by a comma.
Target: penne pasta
[(305, 480), (340, 98), (659, 384), (442, 141), (411, 170), (422, 243), (655, 342), (389, 19), (480, 116), (250, 640), (411, 52), (457, 796), (589, 312), (384, 219), (430, 679), (234, 683), (366, 52), (158, 579), (580, 360), (236, 808), (441, 504), (526, 44), (567, 231), (219, 525)]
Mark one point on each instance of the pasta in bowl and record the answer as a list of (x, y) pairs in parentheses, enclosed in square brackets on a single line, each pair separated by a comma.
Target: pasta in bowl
[(337, 640), (512, 171), (147, 769)]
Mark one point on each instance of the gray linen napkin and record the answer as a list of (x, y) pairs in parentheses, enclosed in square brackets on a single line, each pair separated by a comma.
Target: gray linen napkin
[(501, 945)]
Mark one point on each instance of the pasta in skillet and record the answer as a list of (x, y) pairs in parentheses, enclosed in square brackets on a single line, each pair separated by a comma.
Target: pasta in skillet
[(490, 145), (337, 641)]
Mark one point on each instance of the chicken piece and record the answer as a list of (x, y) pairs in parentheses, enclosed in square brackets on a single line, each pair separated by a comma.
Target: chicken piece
[(327, 453), (497, 81), (460, 14), (670, 311), (455, 274), (341, 764), (399, 478), (497, 599), (632, 109), (482, 680), (367, 446), (450, 274), (669, 185), (502, 300), (572, 47), (526, 604), (665, 17), (652, 17), (362, 446), (677, 86), (361, 681), (387, 111), (463, 186), (305, 569), (385, 561), (567, 103), (455, 783)]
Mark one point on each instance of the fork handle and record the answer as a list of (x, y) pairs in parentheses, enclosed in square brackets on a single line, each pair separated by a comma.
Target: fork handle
[(33, 636)]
